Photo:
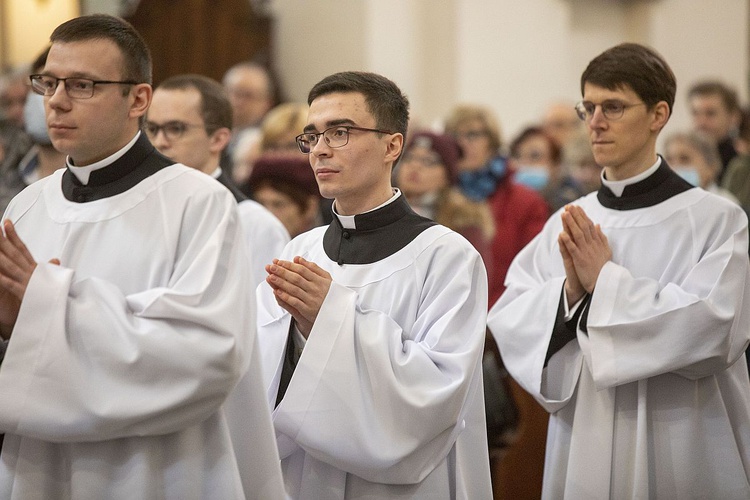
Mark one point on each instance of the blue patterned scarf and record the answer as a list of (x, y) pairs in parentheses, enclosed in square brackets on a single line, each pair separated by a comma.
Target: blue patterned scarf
[(480, 184)]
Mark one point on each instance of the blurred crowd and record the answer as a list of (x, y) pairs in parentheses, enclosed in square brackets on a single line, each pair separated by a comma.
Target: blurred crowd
[(496, 192), (465, 174)]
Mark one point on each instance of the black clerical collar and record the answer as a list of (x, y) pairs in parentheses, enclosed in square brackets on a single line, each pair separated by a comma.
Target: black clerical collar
[(663, 184), (379, 234), (138, 163)]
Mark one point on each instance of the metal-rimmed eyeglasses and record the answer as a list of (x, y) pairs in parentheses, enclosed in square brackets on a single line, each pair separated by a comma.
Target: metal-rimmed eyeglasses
[(335, 137), (76, 88), (612, 109), (173, 130)]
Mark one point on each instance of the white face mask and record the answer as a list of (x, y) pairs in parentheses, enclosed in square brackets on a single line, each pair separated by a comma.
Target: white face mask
[(35, 119), (533, 176), (690, 174)]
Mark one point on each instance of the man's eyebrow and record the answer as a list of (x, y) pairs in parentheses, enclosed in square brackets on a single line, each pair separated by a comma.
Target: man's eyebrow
[(75, 74), (332, 123)]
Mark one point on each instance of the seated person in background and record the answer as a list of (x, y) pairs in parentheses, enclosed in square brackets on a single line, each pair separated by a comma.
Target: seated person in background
[(280, 128), (737, 176), (286, 186), (427, 174), (252, 92), (561, 122), (277, 136), (715, 111), (535, 159), (14, 88), (14, 144), (578, 159), (695, 158), (519, 212)]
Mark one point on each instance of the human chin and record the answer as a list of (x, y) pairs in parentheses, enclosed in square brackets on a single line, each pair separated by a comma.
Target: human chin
[(603, 154), (62, 144), (327, 190)]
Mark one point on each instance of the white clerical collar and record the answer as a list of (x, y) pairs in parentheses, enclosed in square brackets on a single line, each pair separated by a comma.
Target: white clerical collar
[(347, 221), (617, 187), (82, 172)]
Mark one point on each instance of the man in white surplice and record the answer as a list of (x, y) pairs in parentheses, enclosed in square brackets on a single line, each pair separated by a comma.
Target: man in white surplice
[(628, 315), (372, 327), (190, 121), (125, 302)]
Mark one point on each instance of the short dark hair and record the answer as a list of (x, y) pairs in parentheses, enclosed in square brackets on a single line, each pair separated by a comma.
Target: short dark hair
[(37, 65), (216, 110), (384, 99), (135, 52), (636, 66), (715, 87)]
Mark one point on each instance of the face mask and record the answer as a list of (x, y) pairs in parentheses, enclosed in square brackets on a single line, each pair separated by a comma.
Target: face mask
[(689, 174), (532, 176), (36, 122)]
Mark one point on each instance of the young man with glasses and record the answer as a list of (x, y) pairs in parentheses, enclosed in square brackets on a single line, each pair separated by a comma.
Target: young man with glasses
[(372, 327), (628, 316), (190, 121), (124, 298)]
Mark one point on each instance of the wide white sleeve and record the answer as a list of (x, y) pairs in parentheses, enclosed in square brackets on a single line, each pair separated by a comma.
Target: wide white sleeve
[(695, 326), (265, 237), (376, 401), (87, 362), (523, 319)]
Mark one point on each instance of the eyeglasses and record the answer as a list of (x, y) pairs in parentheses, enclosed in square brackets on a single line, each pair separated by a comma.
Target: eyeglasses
[(611, 108), (172, 130), (335, 137), (76, 88)]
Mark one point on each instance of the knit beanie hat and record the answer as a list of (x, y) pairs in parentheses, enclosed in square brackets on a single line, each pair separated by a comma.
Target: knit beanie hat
[(290, 168)]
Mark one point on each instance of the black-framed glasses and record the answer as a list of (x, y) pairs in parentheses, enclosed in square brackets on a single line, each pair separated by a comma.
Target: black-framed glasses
[(172, 130), (335, 137), (612, 109), (76, 88)]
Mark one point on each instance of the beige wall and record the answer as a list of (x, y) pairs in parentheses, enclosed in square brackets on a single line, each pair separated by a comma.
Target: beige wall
[(27, 24)]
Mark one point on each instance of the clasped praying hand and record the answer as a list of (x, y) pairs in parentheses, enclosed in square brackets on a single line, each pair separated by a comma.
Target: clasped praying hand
[(584, 249), (300, 287)]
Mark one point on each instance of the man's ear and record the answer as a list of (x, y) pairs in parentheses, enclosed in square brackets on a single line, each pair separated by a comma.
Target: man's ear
[(394, 147), (661, 116), (141, 95), (219, 139)]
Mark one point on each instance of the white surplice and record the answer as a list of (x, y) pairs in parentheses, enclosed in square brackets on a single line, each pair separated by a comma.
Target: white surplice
[(265, 237), (386, 400), (654, 400), (121, 357)]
